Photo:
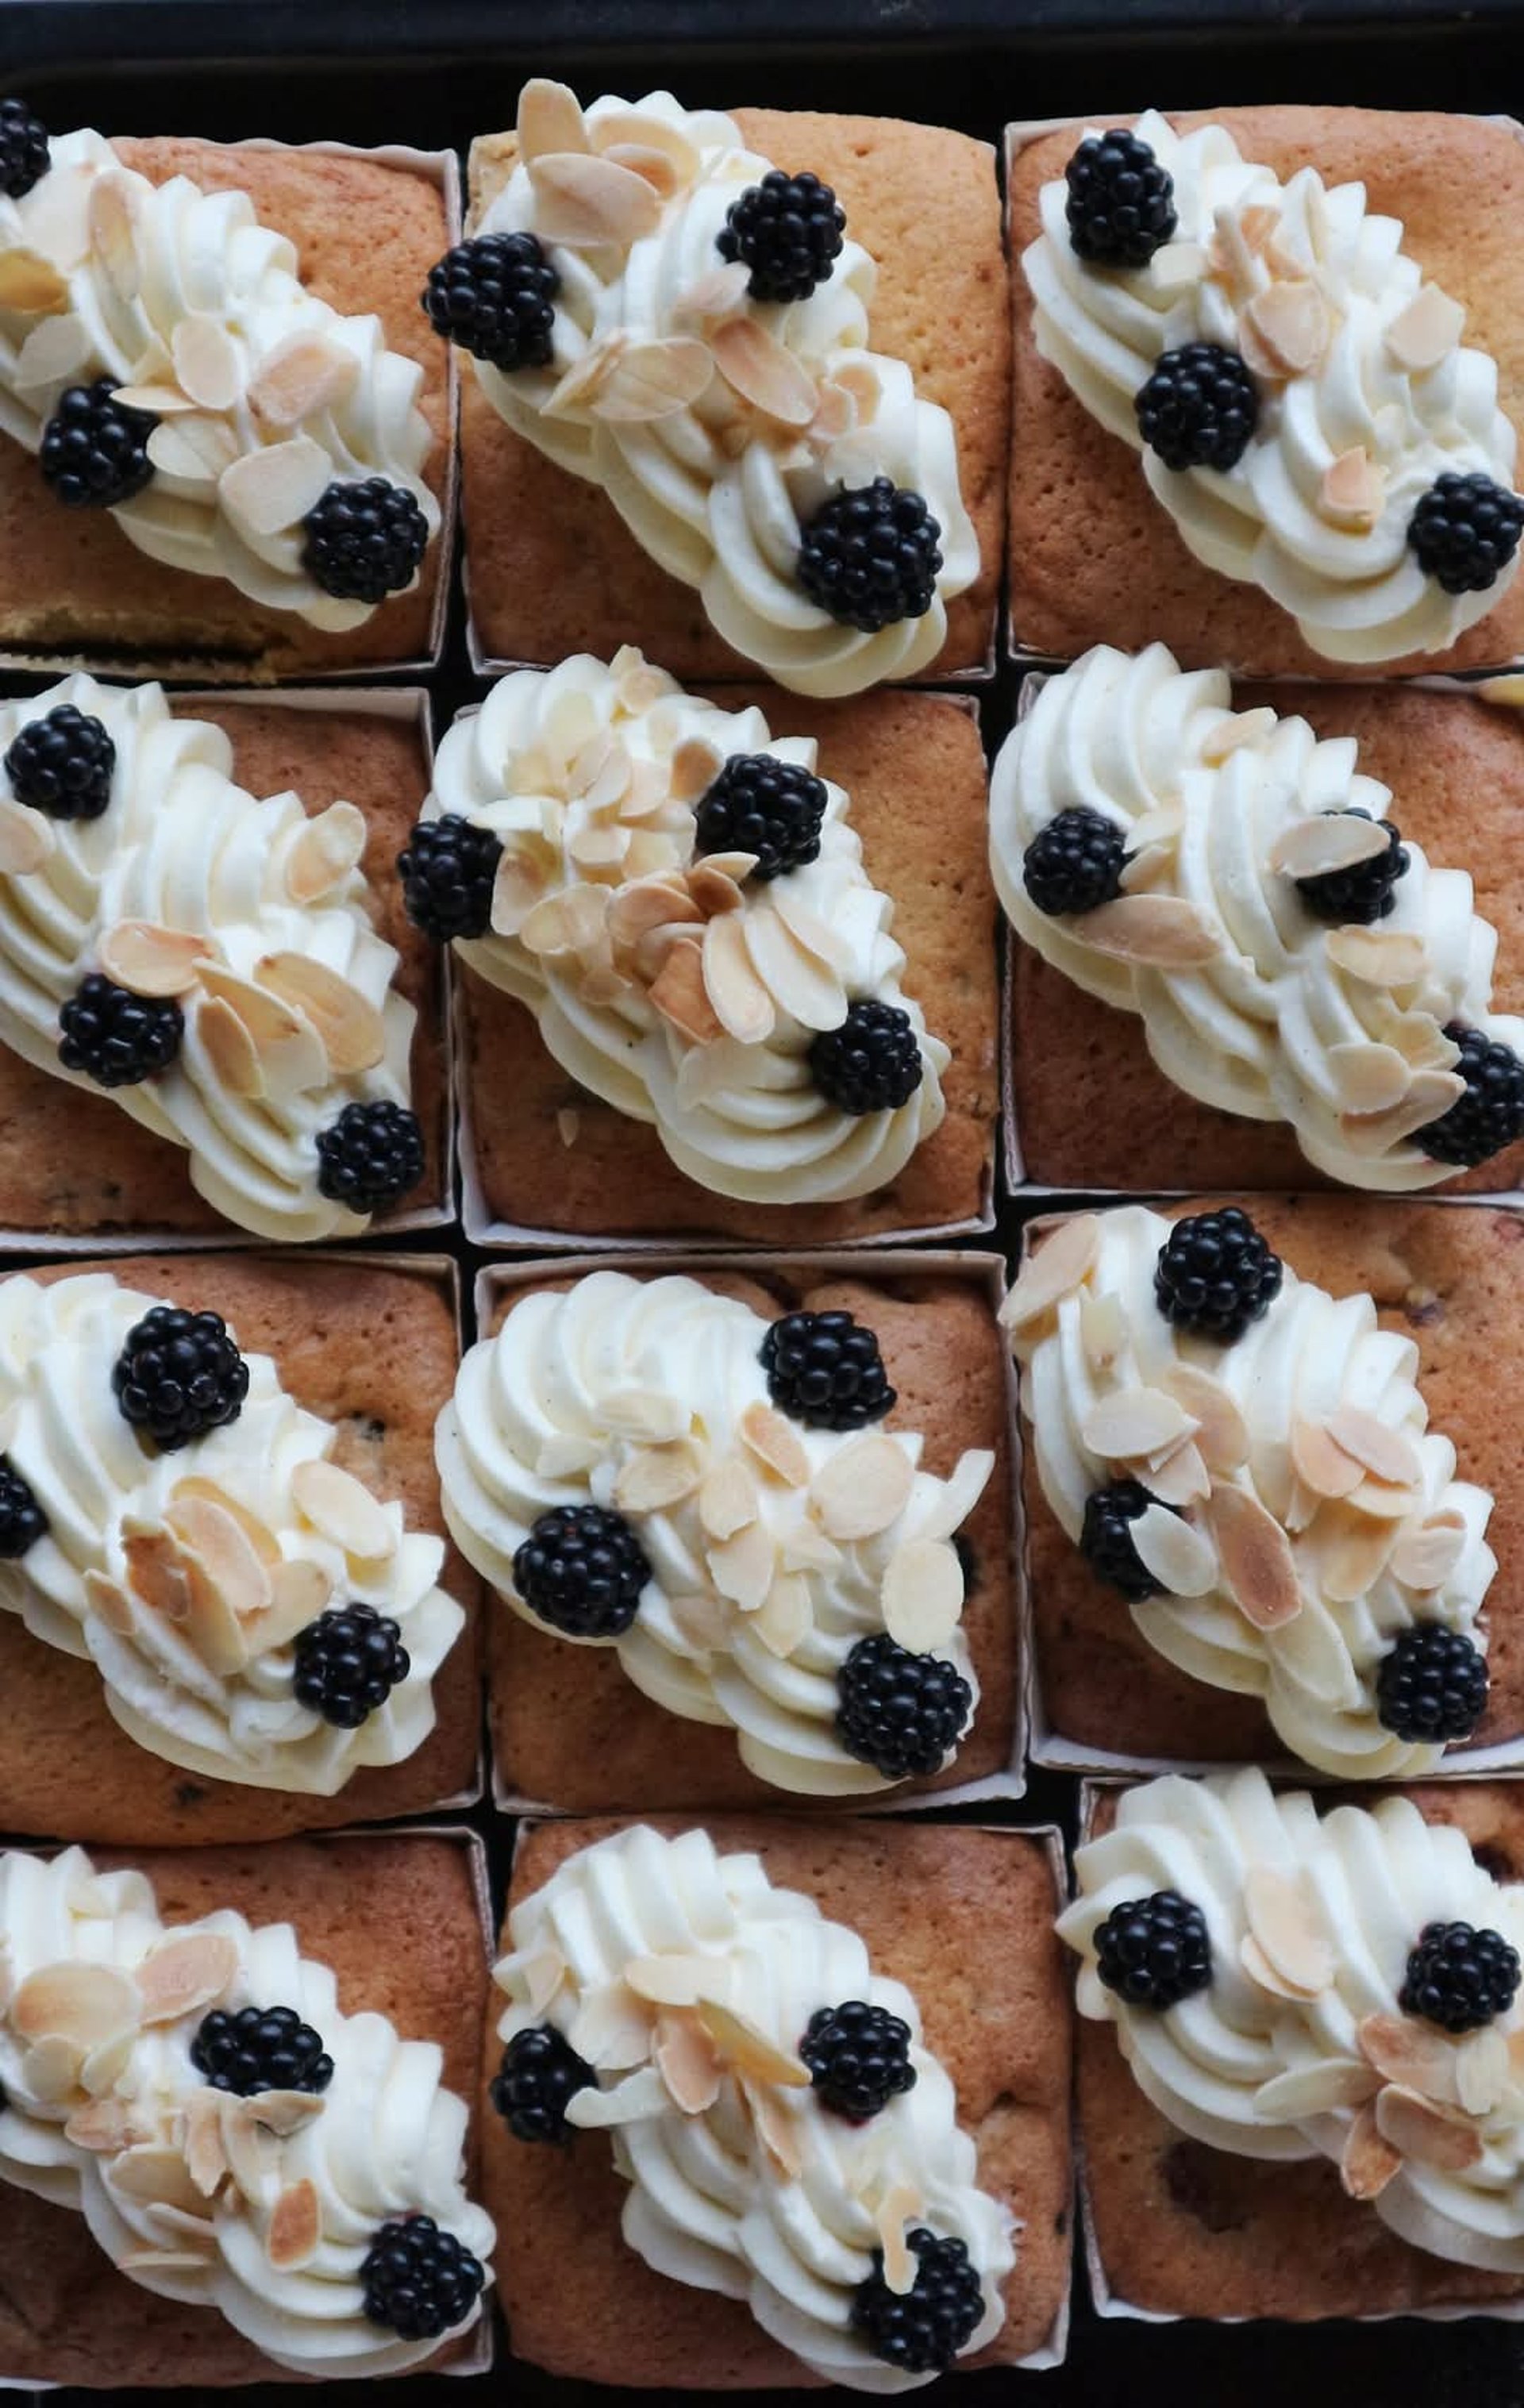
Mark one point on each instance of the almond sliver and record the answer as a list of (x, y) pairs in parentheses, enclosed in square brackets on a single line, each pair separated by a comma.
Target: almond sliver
[(1416, 2128), (1324, 1467), (1388, 1454), (1135, 1422), (1222, 1433), (764, 372), (1287, 1928), (1413, 2055), (1369, 2160), (1387, 957), (82, 2003), (863, 1488), (728, 1498), (1310, 848), (184, 1972), (653, 1478), (1057, 1268), (26, 839), (150, 960), (1254, 1553), (549, 118), (1427, 331), (748, 2051), (1160, 931), (300, 378), (295, 2226), (653, 380), (585, 202), (1424, 1557), (1179, 1557), (350, 1029), (921, 1599), (341, 1509), (775, 1442), (328, 847), (205, 360)]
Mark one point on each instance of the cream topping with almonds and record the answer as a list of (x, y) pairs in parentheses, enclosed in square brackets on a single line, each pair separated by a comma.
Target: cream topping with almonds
[(185, 1577), (716, 424), (1367, 395), (1248, 1002), (265, 395), (257, 918), (1319, 1516), (674, 986), (684, 1979), (1299, 2047), (262, 2208), (773, 1548)]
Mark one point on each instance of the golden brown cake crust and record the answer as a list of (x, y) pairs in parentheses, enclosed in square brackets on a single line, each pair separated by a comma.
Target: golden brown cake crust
[(913, 768), (371, 1349), (1094, 1111), (66, 2316), (552, 569), (1441, 1275), (1457, 185), (366, 235), (74, 1163), (1194, 2231), (569, 1729), (964, 1920)]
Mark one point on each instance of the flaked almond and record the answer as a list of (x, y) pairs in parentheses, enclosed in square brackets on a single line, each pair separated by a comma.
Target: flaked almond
[(302, 376), (895, 2212), (253, 2153), (1355, 1556), (695, 764), (1180, 1559), (343, 1510), (676, 1979), (112, 216), (1102, 1328), (777, 1443), (518, 886), (1291, 323), (777, 2129), (295, 2226), (205, 360), (647, 903), (652, 380), (1425, 1556), (863, 1488), (1176, 266), (78, 2003), (1385, 1498), (53, 353), (921, 1599), (742, 1567), (714, 294), (150, 960), (105, 2127), (284, 2112), (612, 129), (262, 1539), (276, 487), (290, 1050), (1427, 331), (1254, 1554), (328, 847), (299, 1591), (201, 2138), (185, 1973), (584, 202), (1288, 1929), (1058, 1266), (1368, 2161), (1181, 1476), (51, 2068), (1416, 2128), (1317, 2089), (1260, 1969), (155, 1571), (1370, 1078), (1325, 1467), (1222, 1433), (1482, 2071), (549, 119), (1387, 957), (1388, 1454), (714, 890), (754, 364), (1332, 840), (688, 2064), (156, 2172), (1159, 931), (194, 449), (660, 172), (111, 1603), (26, 839), (31, 284), (653, 1415), (748, 2052), (681, 995), (579, 385), (1353, 492), (1428, 1098), (703, 1621), (350, 1029), (727, 1500), (741, 1003), (1135, 1422), (229, 1047), (101, 2067), (223, 1550), (807, 1549), (653, 1478), (1413, 2055), (613, 2028), (810, 933), (785, 1616), (1147, 868)]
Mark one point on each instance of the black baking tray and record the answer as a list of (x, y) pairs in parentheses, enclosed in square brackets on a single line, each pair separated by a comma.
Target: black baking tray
[(435, 73)]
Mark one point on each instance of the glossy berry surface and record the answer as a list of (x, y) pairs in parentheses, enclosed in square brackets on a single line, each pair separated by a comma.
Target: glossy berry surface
[(871, 1063), (582, 1570), (116, 1038), (1490, 1114), (859, 2058), (1121, 202), (787, 230), (179, 1375), (495, 296), (1431, 1685), (921, 2330), (1106, 1538), (540, 2073), (870, 556), (22, 1521), (1153, 1952), (1465, 530), (94, 450), (364, 540), (418, 2281), (1215, 1275), (824, 1370), (23, 149), (1199, 408), (1460, 1978), (900, 1713), (1075, 862), (447, 871), (760, 805), (260, 2048), (1367, 891), (370, 1156), (346, 1663), (62, 764)]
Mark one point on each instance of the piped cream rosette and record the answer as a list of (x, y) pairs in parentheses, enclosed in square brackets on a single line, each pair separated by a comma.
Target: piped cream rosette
[(1367, 395), (254, 917), (262, 2208), (715, 423), (1249, 1003), (676, 986), (263, 394), (1301, 2047), (186, 1577), (684, 1979), (1317, 1516), (773, 1548)]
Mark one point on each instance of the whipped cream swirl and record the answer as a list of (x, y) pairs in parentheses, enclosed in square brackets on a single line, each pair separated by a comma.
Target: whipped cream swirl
[(1299, 2047), (1248, 1002), (265, 395), (262, 2208), (185, 1577), (773, 1548), (290, 1008), (716, 424), (1301, 1559), (740, 2182), (675, 987)]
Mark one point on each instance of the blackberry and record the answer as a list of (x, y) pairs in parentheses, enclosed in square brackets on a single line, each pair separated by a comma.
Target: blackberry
[(61, 764), (1490, 1114), (94, 450), (871, 1063), (348, 1663), (22, 1521), (179, 1375), (1153, 1952), (1199, 407), (1074, 863), (1364, 893), (495, 297), (540, 2072), (1431, 1685), (824, 1370), (757, 804), (23, 149), (447, 872), (1121, 201), (1460, 1978), (116, 1038), (364, 540), (900, 1713), (418, 2281), (1465, 530), (370, 1156), (582, 1570), (1216, 1274), (858, 2059), (870, 556), (260, 2048), (921, 2330), (1106, 1541), (788, 231)]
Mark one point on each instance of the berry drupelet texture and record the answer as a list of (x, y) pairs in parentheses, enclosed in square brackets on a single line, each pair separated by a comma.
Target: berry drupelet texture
[(1121, 202), (370, 1156), (94, 450), (22, 1521), (921, 2330), (180, 1375), (1465, 530), (1106, 1538), (1216, 1274), (760, 805), (1431, 1685), (1366, 892), (859, 2058), (116, 1038), (900, 1713), (364, 540), (871, 1064), (418, 2281), (495, 296), (540, 2073), (1155, 1950), (582, 1570), (61, 764), (870, 556), (788, 231), (1460, 1978), (346, 1663), (447, 871), (23, 149), (824, 1370), (1489, 1115), (1075, 862), (260, 2048), (1199, 408)]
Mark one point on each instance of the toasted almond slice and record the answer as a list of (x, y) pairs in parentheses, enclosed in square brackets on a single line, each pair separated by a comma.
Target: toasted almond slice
[(205, 360), (651, 1415), (156, 1573), (727, 1500), (299, 1590), (715, 891), (741, 1003), (352, 1030), (111, 1603), (1176, 266), (301, 378), (777, 1443), (51, 2068), (613, 2028), (1353, 492), (82, 2003), (714, 295), (330, 846), (1254, 1553), (579, 385), (742, 1567), (807, 1549), (1057, 1268), (1236, 729), (290, 1050), (1160, 931), (617, 129), (1222, 1433), (584, 202), (681, 995), (652, 380), (274, 488), (186, 1971), (1282, 1920), (150, 960), (785, 1616), (253, 2153), (652, 1478), (1370, 1078), (1327, 1467), (695, 764), (1291, 320), (105, 2127), (1428, 1098), (229, 1047), (836, 413), (259, 1535), (544, 1971), (284, 2112), (1102, 1328), (863, 1488), (646, 904), (223, 1548), (201, 2138), (1355, 1557), (1413, 2055), (754, 364), (518, 886), (688, 2063), (53, 353), (112, 216), (921, 1599), (1383, 1499), (1481, 2070), (157, 2172), (895, 2211), (295, 2226), (26, 839), (703, 1621), (1310, 848), (1147, 867), (1316, 2090), (748, 2051), (777, 2129), (676, 1979), (1180, 1477), (1388, 957), (1388, 1453), (1427, 331), (1260, 1969), (1426, 1555), (31, 284), (549, 118), (1416, 2128), (1369, 2159), (1179, 1557), (1135, 1422), (343, 1510)]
